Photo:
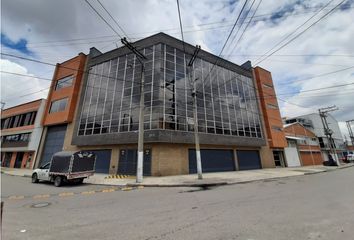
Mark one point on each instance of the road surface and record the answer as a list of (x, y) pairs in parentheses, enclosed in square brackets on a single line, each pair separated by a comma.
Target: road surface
[(318, 206)]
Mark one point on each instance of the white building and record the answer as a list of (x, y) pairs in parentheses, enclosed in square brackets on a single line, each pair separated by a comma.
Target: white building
[(313, 123)]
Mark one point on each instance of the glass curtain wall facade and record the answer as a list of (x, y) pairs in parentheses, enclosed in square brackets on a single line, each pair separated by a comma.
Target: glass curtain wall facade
[(226, 100)]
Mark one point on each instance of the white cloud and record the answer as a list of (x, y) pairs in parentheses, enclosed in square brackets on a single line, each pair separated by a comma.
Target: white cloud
[(15, 89)]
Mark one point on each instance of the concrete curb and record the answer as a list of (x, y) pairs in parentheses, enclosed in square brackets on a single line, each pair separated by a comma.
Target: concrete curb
[(311, 173), (205, 184), (18, 175), (202, 185)]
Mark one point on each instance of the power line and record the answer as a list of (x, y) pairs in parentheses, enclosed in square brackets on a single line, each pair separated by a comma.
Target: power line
[(268, 96), (233, 27), (304, 91), (305, 63), (41, 62), (171, 29), (245, 29), (299, 34), (316, 76), (297, 55), (227, 39), (289, 35), (54, 65), (242, 22), (64, 67), (25, 75), (103, 18), (114, 20)]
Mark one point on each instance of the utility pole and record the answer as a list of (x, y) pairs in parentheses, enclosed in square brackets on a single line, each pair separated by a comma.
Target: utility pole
[(141, 58), (350, 130), (327, 131), (2, 105), (195, 114)]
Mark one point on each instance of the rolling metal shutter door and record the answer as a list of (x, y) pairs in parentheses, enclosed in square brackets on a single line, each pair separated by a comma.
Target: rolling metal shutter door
[(213, 160), (53, 142), (248, 160), (103, 160), (128, 160)]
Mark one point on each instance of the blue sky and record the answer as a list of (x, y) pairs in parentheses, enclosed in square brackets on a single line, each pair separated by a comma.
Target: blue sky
[(19, 45)]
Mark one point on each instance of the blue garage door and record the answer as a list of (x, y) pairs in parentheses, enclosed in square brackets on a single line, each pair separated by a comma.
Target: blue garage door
[(248, 160), (213, 160), (103, 160), (53, 143)]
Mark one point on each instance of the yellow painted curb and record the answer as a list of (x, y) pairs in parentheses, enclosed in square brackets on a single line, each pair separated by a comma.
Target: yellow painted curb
[(16, 197), (140, 187), (41, 196), (65, 194), (127, 189), (119, 176), (88, 192), (108, 190)]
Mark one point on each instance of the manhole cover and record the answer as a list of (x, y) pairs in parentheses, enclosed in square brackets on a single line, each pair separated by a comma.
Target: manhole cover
[(40, 205)]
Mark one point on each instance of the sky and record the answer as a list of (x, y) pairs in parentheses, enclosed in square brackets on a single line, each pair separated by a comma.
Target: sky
[(320, 57)]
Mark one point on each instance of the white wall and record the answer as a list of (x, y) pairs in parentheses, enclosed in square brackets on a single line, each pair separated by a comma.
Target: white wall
[(292, 157), (38, 128)]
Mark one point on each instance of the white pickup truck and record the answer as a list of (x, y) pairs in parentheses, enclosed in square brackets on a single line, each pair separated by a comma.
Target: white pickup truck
[(66, 167)]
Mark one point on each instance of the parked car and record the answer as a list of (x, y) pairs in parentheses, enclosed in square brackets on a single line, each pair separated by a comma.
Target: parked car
[(66, 167), (350, 157)]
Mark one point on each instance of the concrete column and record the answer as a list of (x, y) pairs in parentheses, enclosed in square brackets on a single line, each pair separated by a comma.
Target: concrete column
[(267, 159), (113, 167)]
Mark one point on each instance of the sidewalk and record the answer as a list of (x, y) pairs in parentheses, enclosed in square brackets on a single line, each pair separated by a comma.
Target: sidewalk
[(209, 179)]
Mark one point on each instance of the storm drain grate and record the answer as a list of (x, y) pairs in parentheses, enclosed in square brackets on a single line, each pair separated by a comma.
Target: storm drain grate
[(40, 205)]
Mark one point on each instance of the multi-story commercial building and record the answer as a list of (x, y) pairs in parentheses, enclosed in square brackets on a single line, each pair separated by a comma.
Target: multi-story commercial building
[(313, 123), (21, 132), (303, 146)]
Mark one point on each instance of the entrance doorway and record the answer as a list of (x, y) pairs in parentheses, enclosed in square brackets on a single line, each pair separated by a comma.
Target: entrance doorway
[(7, 159), (279, 158), (18, 161)]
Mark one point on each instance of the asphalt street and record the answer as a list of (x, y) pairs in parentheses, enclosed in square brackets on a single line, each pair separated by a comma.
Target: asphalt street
[(318, 206)]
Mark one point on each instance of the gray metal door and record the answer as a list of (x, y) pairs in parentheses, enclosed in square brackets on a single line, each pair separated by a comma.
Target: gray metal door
[(213, 160), (128, 160), (248, 159), (53, 143)]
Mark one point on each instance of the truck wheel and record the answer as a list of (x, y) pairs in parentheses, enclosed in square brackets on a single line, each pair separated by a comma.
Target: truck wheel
[(58, 181), (35, 178)]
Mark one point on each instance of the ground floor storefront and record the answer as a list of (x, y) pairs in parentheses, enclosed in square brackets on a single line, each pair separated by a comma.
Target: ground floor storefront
[(17, 159), (174, 159)]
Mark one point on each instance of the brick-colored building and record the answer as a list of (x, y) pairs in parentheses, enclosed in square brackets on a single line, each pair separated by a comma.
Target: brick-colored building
[(21, 132), (60, 107), (271, 115), (307, 144)]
